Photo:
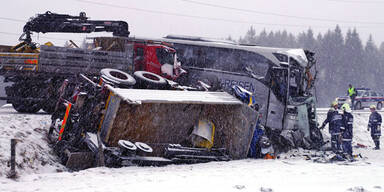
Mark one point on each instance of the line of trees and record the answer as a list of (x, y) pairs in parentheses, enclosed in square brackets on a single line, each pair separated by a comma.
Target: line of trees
[(340, 60)]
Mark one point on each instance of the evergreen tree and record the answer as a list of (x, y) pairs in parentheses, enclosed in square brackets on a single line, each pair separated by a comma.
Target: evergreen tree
[(250, 36), (371, 60), (263, 38), (229, 38), (307, 40), (353, 58), (271, 39), (292, 41)]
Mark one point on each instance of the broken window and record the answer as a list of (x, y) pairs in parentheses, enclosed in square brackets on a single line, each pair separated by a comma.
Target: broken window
[(278, 83), (165, 56), (258, 64), (296, 83)]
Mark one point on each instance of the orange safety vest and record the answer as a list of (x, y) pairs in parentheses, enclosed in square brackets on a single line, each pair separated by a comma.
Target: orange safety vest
[(268, 156)]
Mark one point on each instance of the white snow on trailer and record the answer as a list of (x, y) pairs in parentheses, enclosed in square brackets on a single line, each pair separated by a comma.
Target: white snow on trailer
[(173, 96)]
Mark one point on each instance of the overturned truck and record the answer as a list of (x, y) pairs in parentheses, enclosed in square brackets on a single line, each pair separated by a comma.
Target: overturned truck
[(281, 88), (105, 124)]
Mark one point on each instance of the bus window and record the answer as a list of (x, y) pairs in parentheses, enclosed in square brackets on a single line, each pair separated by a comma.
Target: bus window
[(257, 63), (296, 83), (279, 84), (225, 60)]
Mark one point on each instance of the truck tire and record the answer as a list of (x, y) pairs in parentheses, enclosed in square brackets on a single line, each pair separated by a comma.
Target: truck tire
[(48, 106), (117, 77), (26, 106), (150, 80), (379, 106)]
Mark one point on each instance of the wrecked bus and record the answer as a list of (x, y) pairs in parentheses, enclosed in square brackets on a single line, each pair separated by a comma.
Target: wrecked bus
[(280, 79)]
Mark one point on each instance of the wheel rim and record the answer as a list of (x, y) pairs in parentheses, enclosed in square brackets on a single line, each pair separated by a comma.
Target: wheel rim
[(118, 75)]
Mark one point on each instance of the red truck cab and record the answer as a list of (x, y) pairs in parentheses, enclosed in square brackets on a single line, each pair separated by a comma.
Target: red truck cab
[(157, 58), (147, 55)]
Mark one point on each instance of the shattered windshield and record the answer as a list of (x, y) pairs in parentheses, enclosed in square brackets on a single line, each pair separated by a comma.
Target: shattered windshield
[(165, 56), (279, 83), (296, 82)]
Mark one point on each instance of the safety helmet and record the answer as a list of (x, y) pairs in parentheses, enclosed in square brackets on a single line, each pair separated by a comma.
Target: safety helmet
[(264, 142), (372, 107), (345, 107)]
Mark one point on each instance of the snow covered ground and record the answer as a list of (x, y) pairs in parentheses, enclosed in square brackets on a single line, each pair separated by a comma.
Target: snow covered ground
[(39, 170)]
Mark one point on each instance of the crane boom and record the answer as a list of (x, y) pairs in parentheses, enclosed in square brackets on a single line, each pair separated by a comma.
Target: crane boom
[(63, 23)]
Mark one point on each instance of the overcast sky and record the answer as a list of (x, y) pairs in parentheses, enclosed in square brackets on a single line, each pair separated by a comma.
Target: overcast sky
[(207, 18)]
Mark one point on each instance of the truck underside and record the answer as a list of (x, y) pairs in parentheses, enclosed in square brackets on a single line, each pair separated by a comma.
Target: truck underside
[(164, 120)]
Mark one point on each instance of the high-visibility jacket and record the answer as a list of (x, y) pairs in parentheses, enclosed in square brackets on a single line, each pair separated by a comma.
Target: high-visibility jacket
[(351, 91)]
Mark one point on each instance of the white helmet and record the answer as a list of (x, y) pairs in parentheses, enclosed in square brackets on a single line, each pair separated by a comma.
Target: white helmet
[(345, 107)]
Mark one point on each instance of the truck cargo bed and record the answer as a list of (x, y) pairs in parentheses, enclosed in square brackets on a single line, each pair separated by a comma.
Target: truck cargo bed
[(62, 60)]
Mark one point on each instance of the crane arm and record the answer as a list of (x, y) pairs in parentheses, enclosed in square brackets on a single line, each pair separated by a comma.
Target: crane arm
[(62, 23)]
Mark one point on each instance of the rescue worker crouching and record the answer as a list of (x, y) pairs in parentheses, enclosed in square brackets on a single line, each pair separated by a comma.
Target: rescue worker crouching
[(347, 134), (267, 150), (374, 124), (336, 124)]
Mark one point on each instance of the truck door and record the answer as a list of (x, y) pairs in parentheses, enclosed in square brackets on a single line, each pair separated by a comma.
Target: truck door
[(139, 58)]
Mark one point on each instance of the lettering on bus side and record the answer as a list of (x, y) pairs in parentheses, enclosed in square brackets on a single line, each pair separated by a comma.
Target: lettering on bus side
[(228, 83)]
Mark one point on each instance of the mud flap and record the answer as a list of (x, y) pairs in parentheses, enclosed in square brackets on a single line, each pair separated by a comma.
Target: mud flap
[(79, 160)]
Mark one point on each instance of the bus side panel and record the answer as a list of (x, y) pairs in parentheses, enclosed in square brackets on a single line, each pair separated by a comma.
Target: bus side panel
[(227, 80)]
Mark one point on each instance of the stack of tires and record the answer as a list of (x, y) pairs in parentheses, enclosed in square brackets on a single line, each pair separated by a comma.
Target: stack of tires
[(141, 79), (117, 78)]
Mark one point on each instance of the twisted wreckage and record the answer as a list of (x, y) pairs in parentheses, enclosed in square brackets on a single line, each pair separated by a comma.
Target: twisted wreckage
[(199, 126), (162, 114)]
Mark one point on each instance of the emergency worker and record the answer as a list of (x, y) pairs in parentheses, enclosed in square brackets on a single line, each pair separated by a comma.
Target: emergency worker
[(336, 124), (374, 124), (267, 151), (352, 94), (348, 130)]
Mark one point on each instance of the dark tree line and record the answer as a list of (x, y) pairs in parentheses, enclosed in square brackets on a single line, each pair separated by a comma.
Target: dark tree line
[(340, 60)]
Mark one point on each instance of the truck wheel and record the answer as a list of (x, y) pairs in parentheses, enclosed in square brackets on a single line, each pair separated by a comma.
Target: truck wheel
[(48, 106), (379, 106), (150, 80), (26, 106), (117, 77)]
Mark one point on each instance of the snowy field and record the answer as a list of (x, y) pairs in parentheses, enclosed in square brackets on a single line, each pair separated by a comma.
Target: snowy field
[(39, 171)]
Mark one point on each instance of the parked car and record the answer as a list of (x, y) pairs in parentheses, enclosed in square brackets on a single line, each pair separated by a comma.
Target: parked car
[(365, 98)]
